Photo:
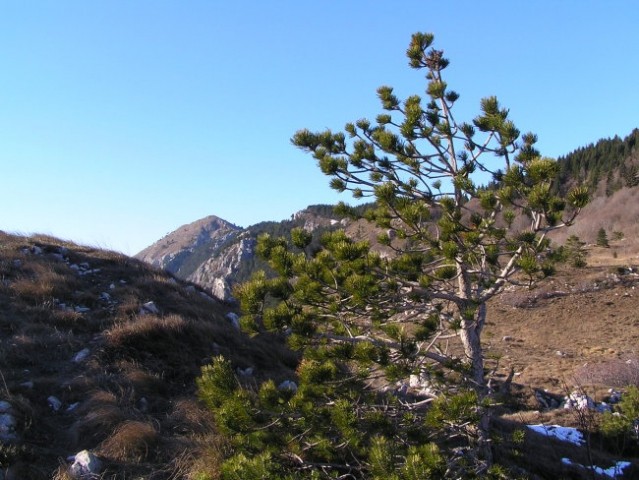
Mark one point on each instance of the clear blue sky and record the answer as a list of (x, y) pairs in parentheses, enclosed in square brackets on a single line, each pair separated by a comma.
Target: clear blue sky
[(122, 120)]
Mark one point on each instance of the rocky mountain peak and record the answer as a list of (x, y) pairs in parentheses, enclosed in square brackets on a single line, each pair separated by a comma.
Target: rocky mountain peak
[(168, 252)]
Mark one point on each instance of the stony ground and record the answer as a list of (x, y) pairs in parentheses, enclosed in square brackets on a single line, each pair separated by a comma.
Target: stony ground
[(569, 325)]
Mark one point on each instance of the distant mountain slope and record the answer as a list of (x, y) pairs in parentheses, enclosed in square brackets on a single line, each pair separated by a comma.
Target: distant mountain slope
[(216, 254), (181, 251), (605, 166)]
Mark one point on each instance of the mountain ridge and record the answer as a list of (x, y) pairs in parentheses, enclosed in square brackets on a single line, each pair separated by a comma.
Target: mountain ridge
[(216, 254), (222, 254)]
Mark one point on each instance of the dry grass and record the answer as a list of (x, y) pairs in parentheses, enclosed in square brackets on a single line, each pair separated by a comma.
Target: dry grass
[(131, 441), (133, 399), (614, 373)]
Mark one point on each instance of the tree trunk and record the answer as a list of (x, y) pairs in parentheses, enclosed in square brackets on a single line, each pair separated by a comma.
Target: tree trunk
[(470, 335)]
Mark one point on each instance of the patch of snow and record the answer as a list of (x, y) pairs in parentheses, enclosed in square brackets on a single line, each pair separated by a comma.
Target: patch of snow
[(565, 434), (613, 472)]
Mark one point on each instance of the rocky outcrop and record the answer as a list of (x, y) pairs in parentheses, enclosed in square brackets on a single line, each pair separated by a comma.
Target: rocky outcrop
[(198, 252), (174, 251), (217, 272), (216, 254)]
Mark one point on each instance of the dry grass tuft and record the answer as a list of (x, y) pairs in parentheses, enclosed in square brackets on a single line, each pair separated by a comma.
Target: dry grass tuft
[(146, 327), (131, 441), (95, 425), (190, 417)]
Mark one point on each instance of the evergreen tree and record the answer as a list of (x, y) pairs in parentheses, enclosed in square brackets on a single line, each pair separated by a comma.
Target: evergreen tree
[(631, 176), (602, 238), (455, 244), (575, 252)]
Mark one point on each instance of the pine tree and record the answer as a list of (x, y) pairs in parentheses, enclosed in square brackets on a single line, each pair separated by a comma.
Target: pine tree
[(602, 238), (575, 252), (455, 247)]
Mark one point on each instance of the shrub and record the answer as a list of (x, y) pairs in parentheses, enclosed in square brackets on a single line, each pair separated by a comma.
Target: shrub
[(621, 425), (613, 373)]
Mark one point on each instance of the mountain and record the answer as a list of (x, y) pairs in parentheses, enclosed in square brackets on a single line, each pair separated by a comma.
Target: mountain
[(216, 254), (181, 251)]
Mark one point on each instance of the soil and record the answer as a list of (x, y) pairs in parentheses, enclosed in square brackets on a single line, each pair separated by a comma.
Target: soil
[(576, 320)]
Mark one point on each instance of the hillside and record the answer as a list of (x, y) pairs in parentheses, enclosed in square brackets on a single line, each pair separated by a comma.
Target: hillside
[(100, 352), (181, 251)]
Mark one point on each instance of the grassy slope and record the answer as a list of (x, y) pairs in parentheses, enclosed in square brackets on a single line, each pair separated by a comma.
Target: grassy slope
[(135, 393)]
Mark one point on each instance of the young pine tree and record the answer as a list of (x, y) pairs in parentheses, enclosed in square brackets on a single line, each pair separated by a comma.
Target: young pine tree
[(575, 252), (602, 238), (455, 246)]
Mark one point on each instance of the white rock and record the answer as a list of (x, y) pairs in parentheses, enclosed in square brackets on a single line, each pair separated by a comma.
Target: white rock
[(150, 307), (7, 427), (578, 401), (81, 356), (234, 319), (85, 465), (54, 403), (143, 404), (288, 385)]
